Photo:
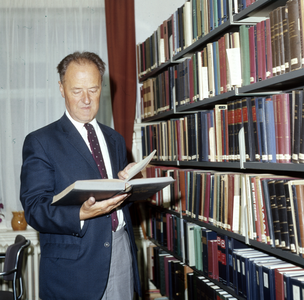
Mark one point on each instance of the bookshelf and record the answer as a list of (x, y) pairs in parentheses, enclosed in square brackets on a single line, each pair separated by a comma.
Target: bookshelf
[(274, 85)]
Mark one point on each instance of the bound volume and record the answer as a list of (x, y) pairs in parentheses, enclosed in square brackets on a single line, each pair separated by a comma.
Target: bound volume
[(102, 189)]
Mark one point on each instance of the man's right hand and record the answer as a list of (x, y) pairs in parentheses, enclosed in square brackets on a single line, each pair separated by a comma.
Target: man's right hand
[(92, 208)]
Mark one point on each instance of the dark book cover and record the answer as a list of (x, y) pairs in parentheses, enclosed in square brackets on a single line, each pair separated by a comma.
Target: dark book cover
[(264, 184), (294, 34), (206, 236), (298, 104), (291, 225), (275, 213), (282, 210)]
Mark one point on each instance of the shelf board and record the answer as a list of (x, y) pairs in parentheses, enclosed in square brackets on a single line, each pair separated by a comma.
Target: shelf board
[(222, 98), (159, 117), (260, 7), (202, 41), (282, 82), (155, 71), (291, 167)]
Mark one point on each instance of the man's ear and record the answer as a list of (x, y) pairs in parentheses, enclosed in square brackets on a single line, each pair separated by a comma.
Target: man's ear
[(61, 89)]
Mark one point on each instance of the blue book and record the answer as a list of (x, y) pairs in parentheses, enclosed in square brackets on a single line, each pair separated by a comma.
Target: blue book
[(270, 130), (242, 5), (287, 281), (261, 125), (197, 198), (203, 136), (233, 244), (297, 286), (254, 275), (268, 271), (215, 69), (245, 277), (219, 12), (237, 271), (211, 21), (225, 11)]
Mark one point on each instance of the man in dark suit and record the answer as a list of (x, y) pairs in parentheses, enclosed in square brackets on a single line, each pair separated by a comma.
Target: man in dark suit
[(81, 256)]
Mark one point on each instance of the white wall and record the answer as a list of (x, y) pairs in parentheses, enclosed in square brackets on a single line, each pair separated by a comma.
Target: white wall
[(149, 14)]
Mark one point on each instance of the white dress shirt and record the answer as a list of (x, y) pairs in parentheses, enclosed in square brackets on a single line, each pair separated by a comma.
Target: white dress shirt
[(105, 153)]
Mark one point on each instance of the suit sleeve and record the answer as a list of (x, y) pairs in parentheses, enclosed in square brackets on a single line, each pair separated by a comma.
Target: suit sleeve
[(37, 191)]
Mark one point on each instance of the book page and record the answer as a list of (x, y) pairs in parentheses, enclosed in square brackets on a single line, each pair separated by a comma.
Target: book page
[(139, 166)]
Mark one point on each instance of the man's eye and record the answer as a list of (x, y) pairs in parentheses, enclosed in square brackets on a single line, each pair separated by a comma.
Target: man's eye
[(76, 92), (93, 91)]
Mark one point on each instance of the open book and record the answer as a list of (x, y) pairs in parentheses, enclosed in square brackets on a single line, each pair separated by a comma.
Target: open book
[(101, 189)]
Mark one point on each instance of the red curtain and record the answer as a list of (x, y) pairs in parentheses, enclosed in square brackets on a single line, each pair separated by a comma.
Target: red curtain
[(120, 23)]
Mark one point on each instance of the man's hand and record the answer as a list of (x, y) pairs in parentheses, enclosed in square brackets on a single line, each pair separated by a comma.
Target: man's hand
[(92, 208), (124, 173)]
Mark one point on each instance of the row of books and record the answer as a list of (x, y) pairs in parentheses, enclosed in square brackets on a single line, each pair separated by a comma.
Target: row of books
[(193, 20), (246, 272), (263, 207), (178, 281), (254, 129), (271, 47), (205, 74)]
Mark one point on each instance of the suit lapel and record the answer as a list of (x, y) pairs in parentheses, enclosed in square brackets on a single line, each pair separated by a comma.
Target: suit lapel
[(76, 140)]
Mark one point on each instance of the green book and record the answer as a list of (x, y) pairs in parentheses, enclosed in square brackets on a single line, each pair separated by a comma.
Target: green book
[(245, 59)]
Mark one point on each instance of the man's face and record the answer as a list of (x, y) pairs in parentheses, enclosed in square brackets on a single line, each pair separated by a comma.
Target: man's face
[(81, 90)]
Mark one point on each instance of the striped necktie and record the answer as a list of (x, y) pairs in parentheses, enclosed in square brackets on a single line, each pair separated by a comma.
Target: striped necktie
[(97, 155)]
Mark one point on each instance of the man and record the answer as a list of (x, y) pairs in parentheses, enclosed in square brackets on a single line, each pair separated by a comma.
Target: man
[(78, 258)]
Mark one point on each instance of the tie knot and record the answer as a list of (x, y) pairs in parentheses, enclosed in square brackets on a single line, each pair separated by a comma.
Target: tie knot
[(88, 126)]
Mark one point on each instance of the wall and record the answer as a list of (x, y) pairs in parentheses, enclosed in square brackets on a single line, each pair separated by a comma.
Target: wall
[(150, 14)]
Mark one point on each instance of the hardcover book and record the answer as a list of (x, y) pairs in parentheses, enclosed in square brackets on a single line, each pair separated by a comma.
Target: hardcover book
[(101, 189)]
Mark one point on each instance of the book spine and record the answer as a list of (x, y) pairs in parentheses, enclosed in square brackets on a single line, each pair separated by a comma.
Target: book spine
[(275, 214), (294, 34)]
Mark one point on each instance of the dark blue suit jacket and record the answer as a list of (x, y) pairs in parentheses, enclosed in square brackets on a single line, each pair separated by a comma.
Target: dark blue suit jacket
[(74, 262)]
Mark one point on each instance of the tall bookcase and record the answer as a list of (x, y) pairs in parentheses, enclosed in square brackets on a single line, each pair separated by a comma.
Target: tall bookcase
[(273, 85)]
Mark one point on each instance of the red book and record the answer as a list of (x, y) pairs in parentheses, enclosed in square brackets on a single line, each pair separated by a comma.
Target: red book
[(282, 127), (213, 270), (263, 50), (260, 53), (252, 47), (223, 65), (279, 280), (268, 49), (182, 188)]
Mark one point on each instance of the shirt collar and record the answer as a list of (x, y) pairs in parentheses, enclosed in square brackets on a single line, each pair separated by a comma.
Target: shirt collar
[(79, 125)]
